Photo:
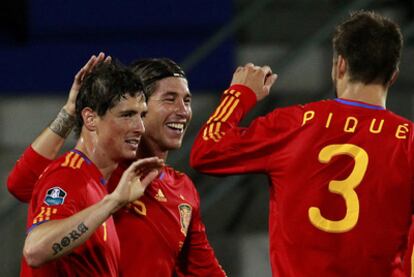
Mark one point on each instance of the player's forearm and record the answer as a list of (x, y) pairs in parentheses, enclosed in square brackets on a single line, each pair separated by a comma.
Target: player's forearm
[(218, 143), (53, 239), (51, 140)]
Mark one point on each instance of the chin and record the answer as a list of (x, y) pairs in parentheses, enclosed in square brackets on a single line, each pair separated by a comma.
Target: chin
[(174, 146)]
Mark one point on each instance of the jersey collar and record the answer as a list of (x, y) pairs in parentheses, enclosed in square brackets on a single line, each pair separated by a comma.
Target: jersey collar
[(359, 104)]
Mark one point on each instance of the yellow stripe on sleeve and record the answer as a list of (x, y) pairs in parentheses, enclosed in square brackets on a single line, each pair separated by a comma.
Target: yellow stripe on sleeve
[(67, 159), (79, 163), (231, 110), (74, 160), (219, 108), (225, 109), (211, 132)]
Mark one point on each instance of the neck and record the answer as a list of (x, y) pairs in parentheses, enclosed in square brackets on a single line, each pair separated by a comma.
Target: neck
[(104, 164), (147, 149), (373, 94)]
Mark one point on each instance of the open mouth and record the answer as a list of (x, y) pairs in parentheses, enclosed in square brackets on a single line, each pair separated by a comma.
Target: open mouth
[(176, 126), (132, 142)]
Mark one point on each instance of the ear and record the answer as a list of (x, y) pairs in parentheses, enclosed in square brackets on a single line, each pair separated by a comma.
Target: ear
[(341, 67), (89, 119), (394, 77)]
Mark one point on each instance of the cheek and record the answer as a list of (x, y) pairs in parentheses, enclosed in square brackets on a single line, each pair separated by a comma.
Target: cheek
[(190, 114)]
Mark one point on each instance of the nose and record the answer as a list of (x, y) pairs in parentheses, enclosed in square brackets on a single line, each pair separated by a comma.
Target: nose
[(182, 108), (138, 125)]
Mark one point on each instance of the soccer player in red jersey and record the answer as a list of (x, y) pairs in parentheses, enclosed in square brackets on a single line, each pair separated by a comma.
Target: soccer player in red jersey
[(340, 171), (161, 233), (71, 229)]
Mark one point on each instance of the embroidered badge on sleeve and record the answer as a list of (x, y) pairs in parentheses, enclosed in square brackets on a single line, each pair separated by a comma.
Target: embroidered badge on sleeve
[(55, 196)]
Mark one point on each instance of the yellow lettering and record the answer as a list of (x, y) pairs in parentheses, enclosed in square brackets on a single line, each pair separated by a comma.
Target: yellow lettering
[(378, 130), (308, 116), (348, 127), (402, 131), (328, 121)]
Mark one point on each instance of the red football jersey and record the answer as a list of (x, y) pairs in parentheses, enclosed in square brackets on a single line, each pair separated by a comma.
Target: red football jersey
[(162, 232), (187, 255), (341, 174), (69, 185)]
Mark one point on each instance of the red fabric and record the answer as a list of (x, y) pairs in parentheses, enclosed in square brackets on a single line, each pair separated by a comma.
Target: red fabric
[(162, 232), (25, 173), (362, 228), (82, 185)]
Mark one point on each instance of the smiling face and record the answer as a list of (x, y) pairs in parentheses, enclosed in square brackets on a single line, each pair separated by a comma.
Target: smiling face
[(169, 113), (119, 130)]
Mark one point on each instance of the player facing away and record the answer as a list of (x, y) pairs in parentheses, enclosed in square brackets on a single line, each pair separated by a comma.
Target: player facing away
[(340, 171), (70, 226), (163, 229)]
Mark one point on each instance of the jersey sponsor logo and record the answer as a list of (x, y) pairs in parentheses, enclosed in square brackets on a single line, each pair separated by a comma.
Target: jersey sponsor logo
[(55, 196), (160, 196), (185, 217)]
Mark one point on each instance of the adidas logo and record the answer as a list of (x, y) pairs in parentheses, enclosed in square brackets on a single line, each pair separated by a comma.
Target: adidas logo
[(160, 196)]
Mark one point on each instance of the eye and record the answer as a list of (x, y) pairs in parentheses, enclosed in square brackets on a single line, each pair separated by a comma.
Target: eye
[(169, 99), (187, 100), (143, 114), (128, 114)]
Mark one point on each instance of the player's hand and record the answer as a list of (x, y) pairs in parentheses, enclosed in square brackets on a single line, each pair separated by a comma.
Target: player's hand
[(258, 78), (77, 82), (136, 178)]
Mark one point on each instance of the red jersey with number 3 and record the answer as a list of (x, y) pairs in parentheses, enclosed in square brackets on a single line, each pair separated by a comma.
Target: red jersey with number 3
[(341, 173), (69, 185)]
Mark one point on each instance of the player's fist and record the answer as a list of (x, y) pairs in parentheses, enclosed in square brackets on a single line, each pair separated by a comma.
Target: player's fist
[(258, 78)]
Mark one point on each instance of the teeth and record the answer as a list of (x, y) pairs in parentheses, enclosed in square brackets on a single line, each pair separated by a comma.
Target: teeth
[(132, 141), (179, 126)]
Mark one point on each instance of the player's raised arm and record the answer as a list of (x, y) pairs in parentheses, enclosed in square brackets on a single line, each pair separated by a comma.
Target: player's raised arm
[(47, 145), (216, 148)]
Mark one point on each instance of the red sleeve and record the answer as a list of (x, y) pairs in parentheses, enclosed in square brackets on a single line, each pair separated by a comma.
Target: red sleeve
[(25, 173), (197, 257), (58, 195), (221, 147)]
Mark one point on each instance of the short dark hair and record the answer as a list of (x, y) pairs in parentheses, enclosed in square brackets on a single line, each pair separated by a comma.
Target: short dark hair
[(104, 87), (371, 44), (152, 70)]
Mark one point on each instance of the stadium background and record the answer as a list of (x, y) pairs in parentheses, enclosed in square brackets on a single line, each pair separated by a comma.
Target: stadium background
[(44, 43)]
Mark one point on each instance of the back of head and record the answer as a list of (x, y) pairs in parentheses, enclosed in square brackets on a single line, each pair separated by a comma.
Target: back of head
[(103, 88), (371, 44), (152, 70)]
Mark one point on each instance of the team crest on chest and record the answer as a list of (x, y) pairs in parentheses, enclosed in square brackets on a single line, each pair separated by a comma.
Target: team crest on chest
[(185, 217), (55, 196)]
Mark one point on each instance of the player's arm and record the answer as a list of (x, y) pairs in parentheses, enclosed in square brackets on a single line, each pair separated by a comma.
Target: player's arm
[(197, 257), (222, 147), (47, 145), (52, 239)]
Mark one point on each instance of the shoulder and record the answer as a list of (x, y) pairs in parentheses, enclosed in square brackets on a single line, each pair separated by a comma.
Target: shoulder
[(177, 175), (63, 173)]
